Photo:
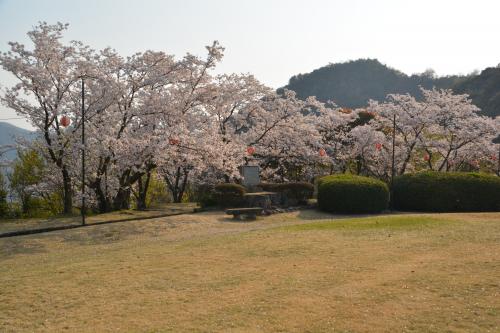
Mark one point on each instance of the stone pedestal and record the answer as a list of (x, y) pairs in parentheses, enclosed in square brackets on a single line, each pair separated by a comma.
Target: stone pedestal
[(263, 200)]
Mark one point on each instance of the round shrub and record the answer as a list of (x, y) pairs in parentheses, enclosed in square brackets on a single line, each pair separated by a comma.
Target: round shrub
[(352, 194), (204, 194), (447, 192), (295, 193), (229, 195)]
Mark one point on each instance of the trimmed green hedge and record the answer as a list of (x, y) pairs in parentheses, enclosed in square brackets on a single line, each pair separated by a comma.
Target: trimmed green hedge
[(447, 192), (204, 194), (292, 194), (352, 194), (229, 195)]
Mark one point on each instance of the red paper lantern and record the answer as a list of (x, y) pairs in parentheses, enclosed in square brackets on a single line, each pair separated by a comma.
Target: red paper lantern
[(65, 121), (322, 152), (427, 157), (173, 141), (250, 150), (378, 146)]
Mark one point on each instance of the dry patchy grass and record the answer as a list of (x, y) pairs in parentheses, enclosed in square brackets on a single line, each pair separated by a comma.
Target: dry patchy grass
[(11, 225), (296, 272)]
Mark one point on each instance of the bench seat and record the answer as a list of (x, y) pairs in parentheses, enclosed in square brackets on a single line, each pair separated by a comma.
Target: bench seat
[(249, 213)]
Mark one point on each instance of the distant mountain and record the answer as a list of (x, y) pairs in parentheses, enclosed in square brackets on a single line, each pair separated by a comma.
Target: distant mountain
[(484, 90), (8, 135), (351, 84)]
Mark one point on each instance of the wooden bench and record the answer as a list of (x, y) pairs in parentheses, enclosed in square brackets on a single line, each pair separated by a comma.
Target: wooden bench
[(249, 213)]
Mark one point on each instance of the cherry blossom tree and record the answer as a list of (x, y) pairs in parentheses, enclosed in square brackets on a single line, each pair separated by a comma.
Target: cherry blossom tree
[(48, 76), (125, 132), (458, 133), (442, 132), (411, 118), (282, 131), (335, 125)]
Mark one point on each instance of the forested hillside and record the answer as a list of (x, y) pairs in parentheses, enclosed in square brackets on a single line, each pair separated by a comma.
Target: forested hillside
[(353, 83), (484, 89), (8, 135)]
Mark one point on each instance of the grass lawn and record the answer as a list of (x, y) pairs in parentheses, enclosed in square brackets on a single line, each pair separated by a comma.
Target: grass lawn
[(294, 272)]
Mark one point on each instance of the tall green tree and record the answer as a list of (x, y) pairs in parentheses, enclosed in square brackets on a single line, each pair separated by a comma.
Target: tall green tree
[(3, 197), (28, 171)]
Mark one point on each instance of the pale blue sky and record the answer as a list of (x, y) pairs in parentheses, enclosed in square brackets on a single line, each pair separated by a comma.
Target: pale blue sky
[(276, 39)]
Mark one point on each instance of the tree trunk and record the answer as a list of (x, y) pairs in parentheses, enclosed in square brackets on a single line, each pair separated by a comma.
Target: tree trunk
[(406, 160), (103, 203), (25, 199), (67, 192), (142, 191), (126, 180), (122, 199), (359, 165), (183, 186), (176, 186)]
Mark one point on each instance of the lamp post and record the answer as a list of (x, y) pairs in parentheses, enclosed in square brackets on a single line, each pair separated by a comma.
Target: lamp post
[(497, 140), (498, 162), (498, 158), (83, 152), (393, 158)]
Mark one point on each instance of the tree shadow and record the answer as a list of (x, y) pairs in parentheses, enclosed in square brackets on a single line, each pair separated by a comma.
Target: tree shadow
[(103, 234), (316, 214), (20, 245), (230, 219)]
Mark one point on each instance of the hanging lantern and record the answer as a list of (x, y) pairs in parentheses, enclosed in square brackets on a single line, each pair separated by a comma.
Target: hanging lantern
[(322, 152), (378, 146), (427, 157), (493, 158), (65, 121), (173, 141), (250, 150)]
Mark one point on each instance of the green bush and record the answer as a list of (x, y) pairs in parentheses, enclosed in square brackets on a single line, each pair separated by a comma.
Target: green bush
[(447, 192), (13, 211), (291, 193), (157, 193), (204, 194), (352, 194), (4, 209), (229, 195)]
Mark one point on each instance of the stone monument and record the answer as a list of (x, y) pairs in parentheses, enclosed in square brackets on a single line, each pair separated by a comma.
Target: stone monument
[(250, 175), (255, 197)]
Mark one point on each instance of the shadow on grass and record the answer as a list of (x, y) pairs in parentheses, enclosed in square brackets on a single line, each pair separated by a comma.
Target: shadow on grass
[(316, 214), (230, 219), (37, 226), (14, 246), (371, 222), (102, 234)]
